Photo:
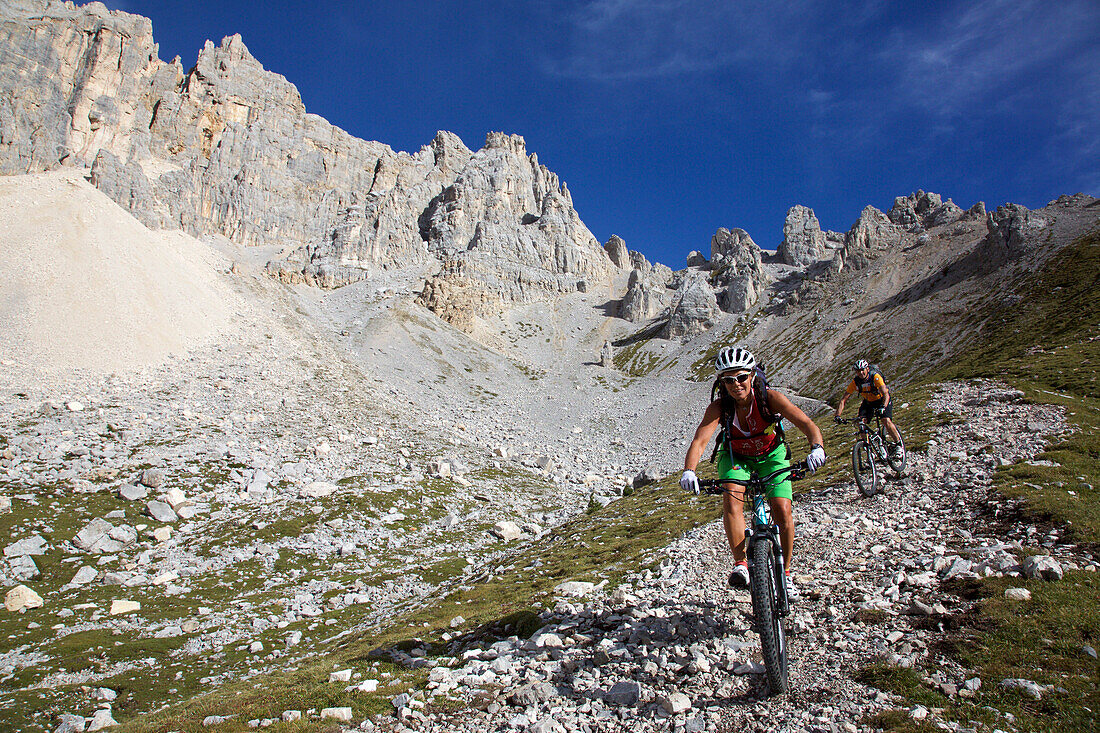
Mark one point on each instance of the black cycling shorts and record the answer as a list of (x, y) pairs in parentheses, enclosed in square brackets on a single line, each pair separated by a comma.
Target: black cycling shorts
[(867, 409)]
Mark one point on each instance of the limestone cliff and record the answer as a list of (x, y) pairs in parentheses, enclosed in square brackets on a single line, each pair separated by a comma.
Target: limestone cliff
[(228, 148)]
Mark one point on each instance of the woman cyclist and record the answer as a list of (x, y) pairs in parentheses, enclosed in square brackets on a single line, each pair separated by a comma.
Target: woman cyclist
[(752, 443)]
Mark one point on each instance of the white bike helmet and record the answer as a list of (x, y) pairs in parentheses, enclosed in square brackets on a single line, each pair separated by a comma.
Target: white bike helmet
[(861, 365), (734, 358)]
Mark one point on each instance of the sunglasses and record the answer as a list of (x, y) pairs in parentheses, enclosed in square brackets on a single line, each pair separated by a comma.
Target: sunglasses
[(736, 378)]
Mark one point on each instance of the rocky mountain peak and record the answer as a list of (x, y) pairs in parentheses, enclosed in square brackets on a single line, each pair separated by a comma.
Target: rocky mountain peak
[(921, 210), (803, 240)]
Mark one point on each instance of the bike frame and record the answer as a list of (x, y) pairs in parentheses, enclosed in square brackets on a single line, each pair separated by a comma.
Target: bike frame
[(761, 528)]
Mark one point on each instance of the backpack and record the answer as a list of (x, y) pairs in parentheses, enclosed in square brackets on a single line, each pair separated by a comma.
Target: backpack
[(873, 370), (760, 393)]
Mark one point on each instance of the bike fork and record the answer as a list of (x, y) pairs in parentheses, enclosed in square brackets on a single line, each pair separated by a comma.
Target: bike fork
[(771, 534)]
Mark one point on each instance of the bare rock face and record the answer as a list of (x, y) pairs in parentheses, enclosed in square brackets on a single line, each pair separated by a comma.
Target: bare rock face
[(919, 211), (872, 233), (1010, 228), (228, 148), (803, 241), (617, 252), (694, 308), (737, 269), (645, 297), (509, 225)]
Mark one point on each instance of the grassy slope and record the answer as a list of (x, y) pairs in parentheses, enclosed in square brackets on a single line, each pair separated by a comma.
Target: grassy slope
[(630, 533), (1048, 346)]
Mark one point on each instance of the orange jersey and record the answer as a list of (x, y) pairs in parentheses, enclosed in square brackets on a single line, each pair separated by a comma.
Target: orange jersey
[(872, 389)]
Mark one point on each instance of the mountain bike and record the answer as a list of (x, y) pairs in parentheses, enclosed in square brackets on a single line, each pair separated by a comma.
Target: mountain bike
[(767, 578), (871, 447)]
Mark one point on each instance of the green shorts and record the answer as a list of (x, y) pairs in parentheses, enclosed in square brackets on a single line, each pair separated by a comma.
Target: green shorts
[(747, 466)]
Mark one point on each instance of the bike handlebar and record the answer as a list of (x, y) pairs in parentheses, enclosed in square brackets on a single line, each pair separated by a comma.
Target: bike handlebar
[(798, 470)]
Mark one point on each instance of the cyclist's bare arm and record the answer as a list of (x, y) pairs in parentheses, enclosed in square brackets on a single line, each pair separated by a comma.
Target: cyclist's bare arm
[(703, 433), (781, 404)]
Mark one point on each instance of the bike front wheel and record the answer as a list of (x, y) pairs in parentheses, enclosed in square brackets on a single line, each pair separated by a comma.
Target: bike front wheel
[(863, 468), (769, 625)]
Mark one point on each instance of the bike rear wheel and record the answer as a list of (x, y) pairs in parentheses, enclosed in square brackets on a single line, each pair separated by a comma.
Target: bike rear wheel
[(895, 456), (769, 625), (863, 468)]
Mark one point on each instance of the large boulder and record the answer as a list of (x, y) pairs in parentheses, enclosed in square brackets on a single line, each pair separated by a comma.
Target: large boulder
[(644, 298), (694, 309)]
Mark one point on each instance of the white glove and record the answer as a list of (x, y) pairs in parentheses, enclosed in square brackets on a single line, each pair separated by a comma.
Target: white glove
[(816, 459), (689, 482)]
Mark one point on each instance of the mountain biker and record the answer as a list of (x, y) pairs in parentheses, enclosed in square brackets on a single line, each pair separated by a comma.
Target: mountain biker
[(751, 445), (871, 387)]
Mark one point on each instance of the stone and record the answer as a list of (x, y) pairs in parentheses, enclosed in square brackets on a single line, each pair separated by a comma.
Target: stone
[(70, 724), (317, 490), (91, 538), (650, 475), (342, 714), (23, 567), (533, 694), (132, 492), (289, 716), (624, 694), (577, 588), (506, 531), (21, 598), (1042, 566), (86, 574), (162, 534), (212, 720), (101, 719), (122, 607), (344, 675), (675, 703), (160, 511), (1018, 594), (152, 477), (34, 545), (1029, 688)]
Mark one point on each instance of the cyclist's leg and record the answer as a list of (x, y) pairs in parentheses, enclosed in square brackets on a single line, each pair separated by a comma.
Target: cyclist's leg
[(891, 429), (733, 514), (733, 520), (783, 516)]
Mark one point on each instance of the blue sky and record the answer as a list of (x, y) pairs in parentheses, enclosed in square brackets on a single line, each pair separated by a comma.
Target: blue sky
[(669, 119)]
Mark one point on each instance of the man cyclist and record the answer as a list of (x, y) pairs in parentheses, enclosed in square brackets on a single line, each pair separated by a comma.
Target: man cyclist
[(876, 400), (751, 444)]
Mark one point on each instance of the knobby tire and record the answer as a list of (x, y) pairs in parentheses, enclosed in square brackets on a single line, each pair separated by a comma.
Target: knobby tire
[(769, 625), (863, 468)]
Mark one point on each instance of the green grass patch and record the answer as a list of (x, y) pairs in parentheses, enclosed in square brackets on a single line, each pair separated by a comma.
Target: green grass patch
[(1047, 345)]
